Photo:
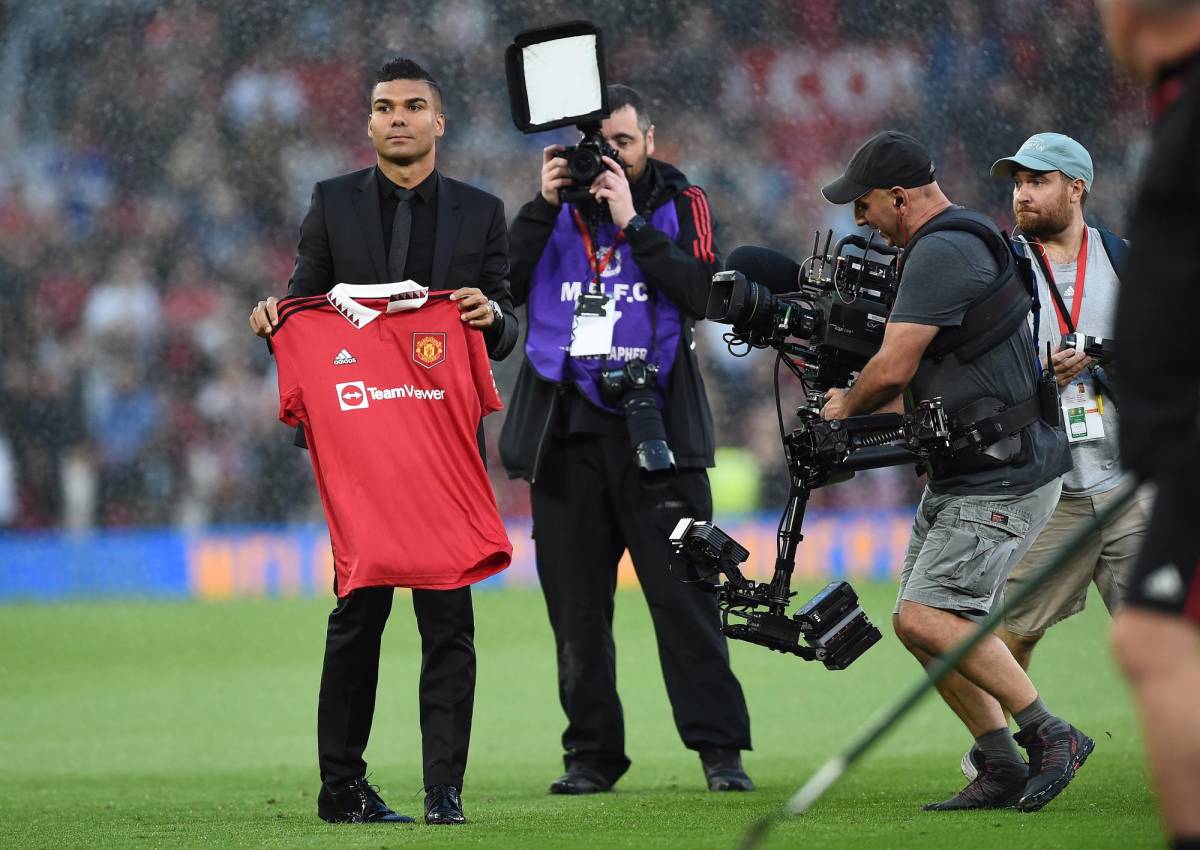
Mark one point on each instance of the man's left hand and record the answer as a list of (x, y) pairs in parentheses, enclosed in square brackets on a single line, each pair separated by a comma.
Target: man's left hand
[(835, 404), (473, 307), (613, 186)]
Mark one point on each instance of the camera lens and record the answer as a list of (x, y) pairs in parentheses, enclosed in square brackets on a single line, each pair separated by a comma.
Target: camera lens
[(584, 165), (648, 433)]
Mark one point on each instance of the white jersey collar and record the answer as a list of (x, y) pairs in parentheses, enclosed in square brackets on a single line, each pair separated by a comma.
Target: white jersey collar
[(403, 295)]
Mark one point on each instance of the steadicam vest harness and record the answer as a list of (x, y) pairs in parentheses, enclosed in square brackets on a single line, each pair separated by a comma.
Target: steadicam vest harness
[(1000, 309), (986, 433)]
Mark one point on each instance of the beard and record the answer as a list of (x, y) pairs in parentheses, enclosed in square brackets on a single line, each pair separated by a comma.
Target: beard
[(1044, 222)]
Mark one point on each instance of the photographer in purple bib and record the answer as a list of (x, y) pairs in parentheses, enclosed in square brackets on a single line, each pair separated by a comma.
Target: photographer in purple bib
[(610, 424)]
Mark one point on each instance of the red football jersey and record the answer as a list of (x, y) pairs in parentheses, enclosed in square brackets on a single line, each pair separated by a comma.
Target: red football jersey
[(390, 403)]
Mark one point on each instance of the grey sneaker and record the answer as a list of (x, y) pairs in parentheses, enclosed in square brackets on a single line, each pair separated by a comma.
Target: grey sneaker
[(1055, 756), (971, 764), (998, 785)]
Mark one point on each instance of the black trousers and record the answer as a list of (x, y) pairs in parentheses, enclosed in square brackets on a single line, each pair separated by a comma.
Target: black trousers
[(346, 706), (589, 505)]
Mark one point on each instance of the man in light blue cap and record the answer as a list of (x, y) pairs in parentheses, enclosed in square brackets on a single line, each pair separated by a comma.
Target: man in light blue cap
[(1052, 176), (1045, 152)]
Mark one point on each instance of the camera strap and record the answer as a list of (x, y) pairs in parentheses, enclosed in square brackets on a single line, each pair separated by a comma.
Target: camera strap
[(596, 264), (1068, 320)]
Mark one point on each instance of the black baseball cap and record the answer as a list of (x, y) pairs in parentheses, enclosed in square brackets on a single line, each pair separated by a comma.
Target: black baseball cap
[(885, 160)]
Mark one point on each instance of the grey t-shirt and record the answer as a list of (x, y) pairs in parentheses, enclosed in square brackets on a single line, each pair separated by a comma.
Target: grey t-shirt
[(1097, 464), (945, 272)]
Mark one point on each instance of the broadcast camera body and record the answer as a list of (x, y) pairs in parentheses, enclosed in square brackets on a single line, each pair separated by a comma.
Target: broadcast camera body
[(837, 305)]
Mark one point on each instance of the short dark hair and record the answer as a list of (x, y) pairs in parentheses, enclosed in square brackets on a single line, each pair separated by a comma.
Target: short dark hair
[(403, 68), (620, 96)]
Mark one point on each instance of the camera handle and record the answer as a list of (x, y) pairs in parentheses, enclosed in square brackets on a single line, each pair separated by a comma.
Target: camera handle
[(819, 449)]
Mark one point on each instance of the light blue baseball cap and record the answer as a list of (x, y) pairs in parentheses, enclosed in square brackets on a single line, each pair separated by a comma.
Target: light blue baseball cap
[(1049, 152)]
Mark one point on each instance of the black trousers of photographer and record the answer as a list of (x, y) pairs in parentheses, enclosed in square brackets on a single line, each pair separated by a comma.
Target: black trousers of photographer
[(589, 506)]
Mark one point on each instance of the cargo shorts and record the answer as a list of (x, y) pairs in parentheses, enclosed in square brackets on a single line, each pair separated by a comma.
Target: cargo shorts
[(962, 548), (1106, 559)]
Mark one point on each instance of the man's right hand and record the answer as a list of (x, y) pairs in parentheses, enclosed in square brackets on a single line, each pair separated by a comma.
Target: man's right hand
[(265, 317), (1068, 362), (554, 174)]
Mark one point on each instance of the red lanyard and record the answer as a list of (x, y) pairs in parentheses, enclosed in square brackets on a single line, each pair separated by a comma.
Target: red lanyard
[(1080, 274), (598, 266)]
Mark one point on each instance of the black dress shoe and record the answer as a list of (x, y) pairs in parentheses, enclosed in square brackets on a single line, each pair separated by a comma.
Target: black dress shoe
[(580, 779), (723, 770), (443, 806), (356, 802)]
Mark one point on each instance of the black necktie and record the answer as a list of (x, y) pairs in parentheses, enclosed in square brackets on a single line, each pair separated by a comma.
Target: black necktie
[(401, 229)]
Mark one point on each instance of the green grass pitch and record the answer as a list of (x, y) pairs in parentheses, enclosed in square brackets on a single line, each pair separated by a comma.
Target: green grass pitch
[(187, 724)]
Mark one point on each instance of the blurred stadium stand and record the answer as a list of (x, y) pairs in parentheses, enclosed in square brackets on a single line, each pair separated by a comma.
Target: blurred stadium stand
[(156, 160)]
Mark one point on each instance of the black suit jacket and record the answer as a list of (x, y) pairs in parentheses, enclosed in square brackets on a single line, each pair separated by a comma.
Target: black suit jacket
[(341, 241)]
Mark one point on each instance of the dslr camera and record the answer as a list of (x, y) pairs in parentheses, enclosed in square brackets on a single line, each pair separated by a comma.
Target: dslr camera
[(1093, 346), (585, 163), (557, 77), (631, 387)]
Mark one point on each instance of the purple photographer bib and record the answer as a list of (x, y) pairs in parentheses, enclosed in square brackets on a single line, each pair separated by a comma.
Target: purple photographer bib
[(563, 272)]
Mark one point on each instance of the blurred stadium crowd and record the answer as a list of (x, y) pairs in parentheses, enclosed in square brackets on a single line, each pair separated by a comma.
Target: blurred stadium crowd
[(156, 160)]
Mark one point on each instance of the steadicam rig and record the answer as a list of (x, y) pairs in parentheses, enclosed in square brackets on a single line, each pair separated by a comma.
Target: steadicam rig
[(831, 627)]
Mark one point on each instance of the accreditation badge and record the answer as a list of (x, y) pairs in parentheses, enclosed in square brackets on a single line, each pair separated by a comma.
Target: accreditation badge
[(593, 324), (1082, 411)]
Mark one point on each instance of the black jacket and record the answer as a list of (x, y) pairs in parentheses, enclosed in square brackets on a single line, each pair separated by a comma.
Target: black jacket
[(341, 241), (1159, 364), (681, 271)]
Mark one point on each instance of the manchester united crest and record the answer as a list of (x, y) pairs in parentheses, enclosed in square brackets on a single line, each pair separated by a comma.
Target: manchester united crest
[(429, 349)]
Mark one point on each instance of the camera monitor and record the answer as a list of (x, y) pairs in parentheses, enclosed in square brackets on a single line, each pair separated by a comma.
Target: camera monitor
[(556, 77)]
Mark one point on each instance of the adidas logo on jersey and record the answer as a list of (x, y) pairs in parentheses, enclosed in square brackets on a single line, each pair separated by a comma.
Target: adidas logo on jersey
[(344, 358)]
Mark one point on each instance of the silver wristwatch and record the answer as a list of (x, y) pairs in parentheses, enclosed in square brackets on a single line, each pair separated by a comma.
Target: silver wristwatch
[(497, 313)]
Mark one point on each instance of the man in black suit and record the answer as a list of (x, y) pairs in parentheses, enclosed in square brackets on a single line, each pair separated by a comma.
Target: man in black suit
[(401, 220)]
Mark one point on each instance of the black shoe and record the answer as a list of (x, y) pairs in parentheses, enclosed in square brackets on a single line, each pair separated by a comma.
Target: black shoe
[(998, 785), (580, 779), (443, 806), (356, 802), (723, 770), (1055, 755)]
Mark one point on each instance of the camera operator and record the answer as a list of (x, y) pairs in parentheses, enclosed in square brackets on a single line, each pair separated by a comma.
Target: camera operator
[(1052, 177), (641, 247), (1157, 634), (980, 512)]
